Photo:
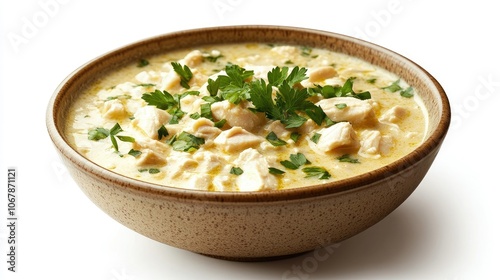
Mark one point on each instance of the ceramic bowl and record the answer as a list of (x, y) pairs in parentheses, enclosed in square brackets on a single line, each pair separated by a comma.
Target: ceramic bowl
[(252, 225)]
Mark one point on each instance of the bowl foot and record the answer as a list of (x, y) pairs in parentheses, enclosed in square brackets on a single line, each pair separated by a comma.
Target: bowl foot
[(255, 259)]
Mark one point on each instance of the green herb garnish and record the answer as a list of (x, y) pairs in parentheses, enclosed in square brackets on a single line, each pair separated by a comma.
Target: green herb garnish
[(274, 140), (236, 171), (347, 158), (408, 93), (142, 63), (315, 171), (186, 142), (296, 161), (102, 133), (275, 171), (184, 72), (394, 86), (134, 153)]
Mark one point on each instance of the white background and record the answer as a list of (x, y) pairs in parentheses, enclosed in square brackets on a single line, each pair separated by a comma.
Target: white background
[(447, 229)]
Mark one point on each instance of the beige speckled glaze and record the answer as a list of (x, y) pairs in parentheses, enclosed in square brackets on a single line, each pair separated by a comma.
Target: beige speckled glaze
[(261, 225)]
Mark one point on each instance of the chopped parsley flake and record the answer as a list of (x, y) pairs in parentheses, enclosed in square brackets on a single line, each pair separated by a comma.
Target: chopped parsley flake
[(315, 171), (296, 161), (236, 171), (276, 171), (184, 72), (274, 140), (142, 63), (347, 158), (186, 142)]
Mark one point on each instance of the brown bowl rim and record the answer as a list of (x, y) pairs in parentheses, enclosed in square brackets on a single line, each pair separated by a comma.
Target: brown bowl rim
[(431, 144)]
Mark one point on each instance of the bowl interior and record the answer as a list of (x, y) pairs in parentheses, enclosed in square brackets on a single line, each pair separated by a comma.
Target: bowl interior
[(432, 94)]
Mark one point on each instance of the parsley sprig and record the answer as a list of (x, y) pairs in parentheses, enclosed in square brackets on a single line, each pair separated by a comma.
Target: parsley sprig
[(290, 104), (166, 101), (346, 90), (184, 72), (395, 87), (233, 86), (102, 133), (186, 142), (316, 171)]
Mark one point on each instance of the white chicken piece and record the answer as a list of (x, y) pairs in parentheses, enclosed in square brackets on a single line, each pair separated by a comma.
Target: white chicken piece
[(179, 163), (373, 144), (207, 161), (149, 119), (237, 139), (338, 136), (279, 129), (237, 115), (318, 74), (114, 109), (152, 152), (255, 176), (148, 77), (192, 59), (287, 51), (170, 81), (197, 181), (394, 114), (353, 110), (204, 128)]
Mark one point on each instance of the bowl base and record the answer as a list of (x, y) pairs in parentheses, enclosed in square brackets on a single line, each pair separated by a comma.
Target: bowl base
[(255, 259)]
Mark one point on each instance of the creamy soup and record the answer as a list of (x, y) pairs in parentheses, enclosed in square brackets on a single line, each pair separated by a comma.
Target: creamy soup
[(247, 117)]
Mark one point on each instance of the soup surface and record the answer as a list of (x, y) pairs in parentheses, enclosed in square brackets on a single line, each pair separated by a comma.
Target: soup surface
[(247, 117)]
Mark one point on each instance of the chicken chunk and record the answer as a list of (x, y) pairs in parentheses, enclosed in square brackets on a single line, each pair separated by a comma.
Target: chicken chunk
[(192, 59), (318, 74), (373, 144), (204, 128), (349, 109), (197, 181), (394, 114), (255, 176), (237, 139), (114, 109), (237, 115), (149, 119), (152, 152), (337, 136)]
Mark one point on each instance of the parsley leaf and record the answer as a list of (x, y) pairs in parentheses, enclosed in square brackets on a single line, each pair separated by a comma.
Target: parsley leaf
[(236, 171), (394, 86), (274, 140), (315, 171), (134, 153), (346, 90), (340, 105), (295, 136), (408, 93), (183, 72), (98, 133), (102, 133), (126, 138), (347, 158), (154, 171), (315, 137), (142, 63), (162, 100), (296, 161), (186, 142), (162, 132), (276, 171)]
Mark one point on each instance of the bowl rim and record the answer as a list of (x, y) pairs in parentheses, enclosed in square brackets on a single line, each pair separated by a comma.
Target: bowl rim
[(361, 181)]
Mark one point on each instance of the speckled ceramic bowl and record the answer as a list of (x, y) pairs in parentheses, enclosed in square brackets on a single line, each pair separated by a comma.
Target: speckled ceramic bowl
[(259, 225)]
